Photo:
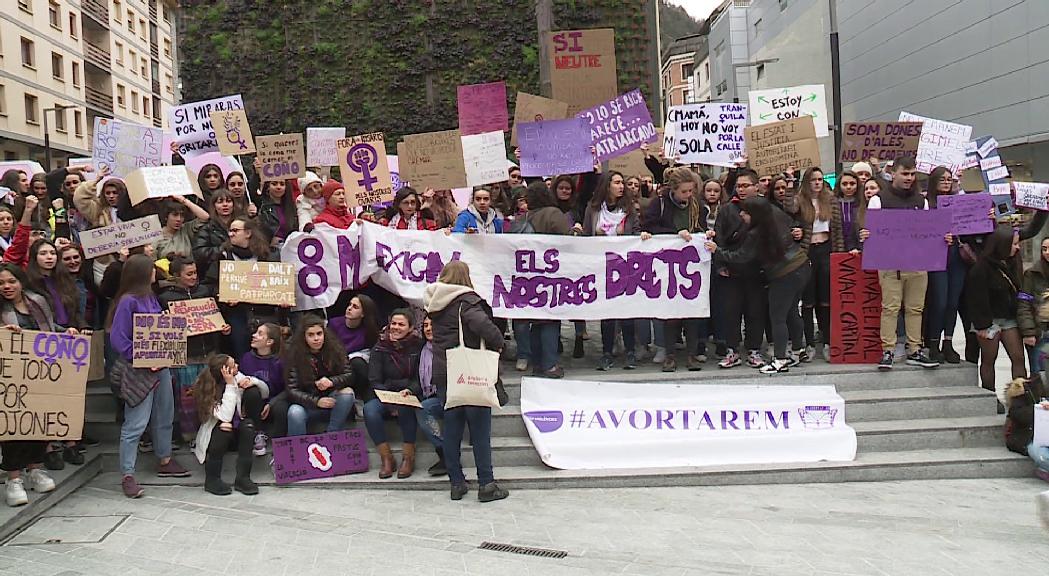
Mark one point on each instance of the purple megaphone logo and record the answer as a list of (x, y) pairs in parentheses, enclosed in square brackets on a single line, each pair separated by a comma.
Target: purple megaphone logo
[(546, 420)]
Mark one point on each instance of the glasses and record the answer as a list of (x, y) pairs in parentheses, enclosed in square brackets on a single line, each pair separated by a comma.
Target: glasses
[(235, 230), (741, 185), (409, 202)]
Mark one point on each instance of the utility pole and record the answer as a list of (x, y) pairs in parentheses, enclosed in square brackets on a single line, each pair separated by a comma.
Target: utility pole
[(544, 24), (835, 80)]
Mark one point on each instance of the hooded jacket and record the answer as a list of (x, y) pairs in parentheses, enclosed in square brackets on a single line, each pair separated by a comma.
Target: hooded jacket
[(307, 209), (445, 303), (471, 218), (1032, 299)]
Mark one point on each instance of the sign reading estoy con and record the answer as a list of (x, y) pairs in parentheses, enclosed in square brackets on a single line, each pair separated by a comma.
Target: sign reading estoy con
[(125, 146), (257, 282), (883, 141), (706, 133), (281, 156), (620, 125), (202, 315), (583, 67), (43, 377), (160, 341), (297, 458), (109, 239), (365, 170), (191, 122), (775, 148), (555, 147), (780, 104), (855, 311)]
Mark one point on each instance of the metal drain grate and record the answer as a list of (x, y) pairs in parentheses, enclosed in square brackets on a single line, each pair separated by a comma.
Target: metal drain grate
[(527, 551)]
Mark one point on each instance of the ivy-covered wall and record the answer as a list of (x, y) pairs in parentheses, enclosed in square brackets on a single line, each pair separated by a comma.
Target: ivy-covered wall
[(389, 65)]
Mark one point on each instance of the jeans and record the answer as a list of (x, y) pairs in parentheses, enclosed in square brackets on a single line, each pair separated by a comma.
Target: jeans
[(523, 338), (545, 337), (784, 295), (429, 419), (1040, 454), (299, 416), (943, 296), (608, 335), (374, 410), (480, 422), (160, 404)]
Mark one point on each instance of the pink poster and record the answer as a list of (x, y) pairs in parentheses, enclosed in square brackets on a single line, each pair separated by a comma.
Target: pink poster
[(482, 108)]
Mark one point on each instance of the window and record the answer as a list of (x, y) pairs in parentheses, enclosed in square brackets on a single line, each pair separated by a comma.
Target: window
[(60, 121), (72, 26), (156, 107), (132, 59), (134, 102), (686, 71), (169, 84), (28, 54), (706, 68), (26, 5), (167, 48), (164, 13), (78, 123), (131, 21), (143, 68), (116, 11), (120, 96), (54, 14), (723, 87), (57, 71), (3, 102), (145, 106), (31, 116), (120, 52), (76, 74), (142, 28)]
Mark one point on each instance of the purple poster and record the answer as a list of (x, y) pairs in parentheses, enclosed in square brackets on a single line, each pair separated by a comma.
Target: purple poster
[(907, 240), (620, 125), (297, 458), (482, 108), (555, 147), (970, 212)]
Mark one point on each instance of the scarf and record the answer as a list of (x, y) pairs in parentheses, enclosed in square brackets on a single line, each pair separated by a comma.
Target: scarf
[(240, 253), (401, 224), (426, 370), (611, 222), (485, 226), (398, 351), (5, 242)]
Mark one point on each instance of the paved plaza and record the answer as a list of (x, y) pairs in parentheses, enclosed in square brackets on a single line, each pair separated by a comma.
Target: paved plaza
[(941, 527)]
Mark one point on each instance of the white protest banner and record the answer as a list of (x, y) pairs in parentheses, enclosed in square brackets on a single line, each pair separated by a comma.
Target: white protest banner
[(1032, 195), (670, 140), (942, 143), (161, 182), (989, 145), (125, 146), (793, 102), (707, 133), (109, 239), (44, 376), (192, 124), (576, 425), (321, 146), (485, 158), (520, 275), (1041, 427)]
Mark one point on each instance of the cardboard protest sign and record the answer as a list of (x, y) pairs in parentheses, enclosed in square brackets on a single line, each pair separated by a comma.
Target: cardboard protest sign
[(312, 456), (620, 125), (706, 133), (484, 156), (482, 108), (387, 397), (160, 341), (531, 108), (109, 239), (45, 377), (161, 182), (281, 156), (555, 147), (855, 311), (1032, 195), (125, 146), (232, 132), (630, 164), (907, 240), (582, 67), (942, 143), (1002, 197), (257, 282), (364, 169), (405, 172), (436, 159), (321, 146), (773, 148), (780, 104), (969, 212), (986, 147), (861, 141), (202, 315), (191, 122)]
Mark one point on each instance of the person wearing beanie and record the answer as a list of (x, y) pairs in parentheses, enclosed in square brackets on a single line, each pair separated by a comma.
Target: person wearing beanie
[(310, 202), (335, 213), (863, 171)]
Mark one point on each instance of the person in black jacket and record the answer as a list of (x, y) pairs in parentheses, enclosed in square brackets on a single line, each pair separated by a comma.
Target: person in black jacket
[(991, 297), (1024, 397), (394, 367), (277, 210), (319, 382)]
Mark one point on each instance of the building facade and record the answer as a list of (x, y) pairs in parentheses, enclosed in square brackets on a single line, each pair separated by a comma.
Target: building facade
[(679, 71), (99, 58)]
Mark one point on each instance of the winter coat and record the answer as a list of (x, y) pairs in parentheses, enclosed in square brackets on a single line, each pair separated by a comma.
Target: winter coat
[(306, 394), (548, 220), (38, 307), (394, 366), (630, 226), (749, 252), (1034, 295), (990, 292), (336, 218), (307, 209), (207, 244), (471, 218), (228, 407), (270, 220), (446, 303), (663, 212), (845, 240)]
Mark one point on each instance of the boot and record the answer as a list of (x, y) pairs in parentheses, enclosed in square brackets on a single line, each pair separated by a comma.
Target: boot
[(972, 348), (577, 351), (388, 463), (438, 469), (934, 351), (213, 483), (407, 461), (950, 355), (243, 483)]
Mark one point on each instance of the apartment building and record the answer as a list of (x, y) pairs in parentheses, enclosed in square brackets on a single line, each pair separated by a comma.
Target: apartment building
[(96, 58)]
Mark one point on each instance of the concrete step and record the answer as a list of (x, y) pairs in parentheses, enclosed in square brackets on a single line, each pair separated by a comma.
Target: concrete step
[(67, 480)]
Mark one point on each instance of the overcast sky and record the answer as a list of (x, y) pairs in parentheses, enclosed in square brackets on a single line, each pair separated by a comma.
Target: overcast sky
[(698, 9)]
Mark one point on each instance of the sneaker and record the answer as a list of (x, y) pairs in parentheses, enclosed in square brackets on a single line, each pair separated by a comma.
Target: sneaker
[(669, 364), (794, 358), (53, 460), (776, 366), (41, 481), (459, 490), (259, 449), (921, 358), (1043, 508), (887, 358), (145, 446), (16, 495), (693, 364), (555, 373), (755, 359), (630, 363), (605, 364), (660, 355), (826, 352), (808, 354), (731, 360), (172, 470), (491, 492), (701, 358), (131, 487), (73, 456), (522, 365)]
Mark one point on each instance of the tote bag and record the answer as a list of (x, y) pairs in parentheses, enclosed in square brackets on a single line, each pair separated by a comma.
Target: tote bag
[(472, 374)]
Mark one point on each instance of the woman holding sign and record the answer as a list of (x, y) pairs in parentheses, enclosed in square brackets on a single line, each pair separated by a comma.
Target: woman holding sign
[(944, 293)]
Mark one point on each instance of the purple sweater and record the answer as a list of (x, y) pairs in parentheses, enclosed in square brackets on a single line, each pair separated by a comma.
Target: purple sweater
[(269, 369), (122, 333), (352, 338)]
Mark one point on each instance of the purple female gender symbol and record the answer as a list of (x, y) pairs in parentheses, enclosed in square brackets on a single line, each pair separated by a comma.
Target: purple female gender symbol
[(362, 159)]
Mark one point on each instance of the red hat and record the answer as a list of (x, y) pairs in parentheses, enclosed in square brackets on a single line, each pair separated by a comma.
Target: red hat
[(330, 187)]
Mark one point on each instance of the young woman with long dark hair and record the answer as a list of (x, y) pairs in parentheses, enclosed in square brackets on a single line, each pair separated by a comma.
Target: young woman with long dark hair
[(277, 211), (394, 367), (319, 382), (49, 276), (210, 180), (847, 214), (208, 242), (405, 214), (813, 208), (992, 290), (944, 293)]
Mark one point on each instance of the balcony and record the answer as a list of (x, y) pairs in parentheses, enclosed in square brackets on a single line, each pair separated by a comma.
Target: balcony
[(97, 57), (156, 87), (97, 10), (157, 122), (154, 51), (99, 100)]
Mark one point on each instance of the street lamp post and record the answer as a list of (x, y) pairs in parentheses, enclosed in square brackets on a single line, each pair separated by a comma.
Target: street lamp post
[(835, 80), (58, 108)]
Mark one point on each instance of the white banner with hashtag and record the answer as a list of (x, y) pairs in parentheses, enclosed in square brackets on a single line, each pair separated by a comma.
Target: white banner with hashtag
[(577, 425)]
